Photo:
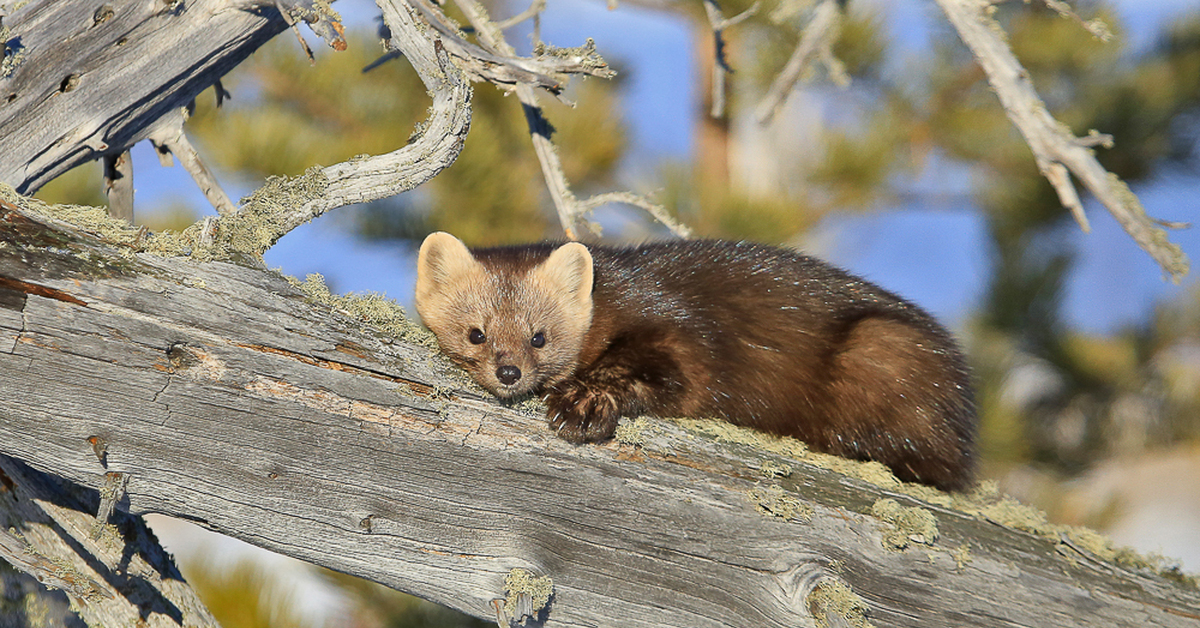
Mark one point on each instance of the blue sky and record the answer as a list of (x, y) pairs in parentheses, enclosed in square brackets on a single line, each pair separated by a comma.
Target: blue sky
[(936, 257)]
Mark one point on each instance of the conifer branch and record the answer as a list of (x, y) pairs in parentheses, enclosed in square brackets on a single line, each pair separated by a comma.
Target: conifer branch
[(1058, 152)]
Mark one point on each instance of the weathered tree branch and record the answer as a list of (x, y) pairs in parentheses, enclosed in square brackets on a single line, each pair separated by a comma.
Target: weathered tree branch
[(114, 571), (232, 399), (126, 67), (168, 139), (571, 211), (506, 68), (816, 41), (1058, 152), (284, 204)]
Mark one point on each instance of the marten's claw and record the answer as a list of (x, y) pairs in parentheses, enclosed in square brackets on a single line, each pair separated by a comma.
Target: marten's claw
[(580, 414)]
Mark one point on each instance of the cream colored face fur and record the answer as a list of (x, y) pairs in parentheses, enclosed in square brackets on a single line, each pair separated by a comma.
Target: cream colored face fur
[(457, 294)]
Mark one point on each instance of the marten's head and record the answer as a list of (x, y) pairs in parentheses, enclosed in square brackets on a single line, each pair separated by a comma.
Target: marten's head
[(515, 319)]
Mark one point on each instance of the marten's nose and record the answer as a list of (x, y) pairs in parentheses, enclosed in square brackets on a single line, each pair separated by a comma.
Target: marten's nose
[(508, 375)]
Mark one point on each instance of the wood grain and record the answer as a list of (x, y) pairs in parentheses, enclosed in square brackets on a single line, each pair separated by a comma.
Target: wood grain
[(234, 402)]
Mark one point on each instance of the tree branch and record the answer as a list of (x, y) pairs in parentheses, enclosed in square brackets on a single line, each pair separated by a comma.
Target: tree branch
[(125, 69), (278, 416), (721, 68), (284, 204), (114, 571), (570, 210), (118, 185), (1057, 151), (506, 68), (816, 41), (168, 138)]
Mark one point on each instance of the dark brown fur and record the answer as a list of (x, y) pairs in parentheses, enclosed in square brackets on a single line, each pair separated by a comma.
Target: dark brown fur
[(759, 336)]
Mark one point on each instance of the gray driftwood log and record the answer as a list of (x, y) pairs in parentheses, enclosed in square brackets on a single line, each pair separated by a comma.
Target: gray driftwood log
[(232, 399)]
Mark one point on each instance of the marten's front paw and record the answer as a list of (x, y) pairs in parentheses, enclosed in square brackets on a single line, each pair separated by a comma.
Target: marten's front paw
[(580, 414)]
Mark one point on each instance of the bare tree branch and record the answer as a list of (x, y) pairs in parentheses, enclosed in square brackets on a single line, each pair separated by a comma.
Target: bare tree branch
[(125, 69), (546, 71), (570, 210), (656, 211), (815, 42), (118, 185), (284, 204), (112, 569), (169, 139), (721, 68), (1057, 151)]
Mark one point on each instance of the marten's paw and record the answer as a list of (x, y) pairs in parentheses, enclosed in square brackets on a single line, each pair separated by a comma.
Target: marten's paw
[(580, 414)]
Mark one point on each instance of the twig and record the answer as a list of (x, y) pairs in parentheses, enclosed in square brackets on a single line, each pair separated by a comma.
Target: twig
[(1096, 27), (816, 41), (1057, 151), (168, 138), (506, 68), (534, 11), (111, 492), (721, 68), (539, 129), (295, 26), (658, 212), (118, 185), (320, 17)]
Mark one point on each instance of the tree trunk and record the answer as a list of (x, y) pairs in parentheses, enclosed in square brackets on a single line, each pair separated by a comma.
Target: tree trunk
[(232, 399)]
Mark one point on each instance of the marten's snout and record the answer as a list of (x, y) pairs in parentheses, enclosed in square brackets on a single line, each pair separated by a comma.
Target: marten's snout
[(508, 374)]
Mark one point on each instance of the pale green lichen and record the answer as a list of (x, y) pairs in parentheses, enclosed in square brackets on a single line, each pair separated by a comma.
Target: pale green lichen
[(773, 469), (832, 596), (962, 556), (984, 502), (776, 502), (98, 222), (13, 54), (377, 310), (632, 431), (722, 431), (525, 595), (908, 524)]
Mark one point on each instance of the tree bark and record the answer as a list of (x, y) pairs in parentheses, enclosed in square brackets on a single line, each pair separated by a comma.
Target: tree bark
[(88, 80), (233, 400)]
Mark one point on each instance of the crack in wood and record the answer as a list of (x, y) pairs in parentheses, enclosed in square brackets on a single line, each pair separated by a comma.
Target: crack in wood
[(333, 403), (39, 290), (419, 389)]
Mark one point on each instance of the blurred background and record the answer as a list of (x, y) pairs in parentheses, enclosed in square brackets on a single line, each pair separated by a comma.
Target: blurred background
[(1087, 358)]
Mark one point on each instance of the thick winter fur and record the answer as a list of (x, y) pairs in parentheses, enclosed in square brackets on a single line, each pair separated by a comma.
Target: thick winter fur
[(755, 335)]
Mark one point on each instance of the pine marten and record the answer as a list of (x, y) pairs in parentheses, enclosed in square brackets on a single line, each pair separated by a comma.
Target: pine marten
[(758, 336)]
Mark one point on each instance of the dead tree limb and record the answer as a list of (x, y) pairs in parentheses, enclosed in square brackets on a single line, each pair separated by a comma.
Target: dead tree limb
[(113, 570), (86, 81), (230, 398)]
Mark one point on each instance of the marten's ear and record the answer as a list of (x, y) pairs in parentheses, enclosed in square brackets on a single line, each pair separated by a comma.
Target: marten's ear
[(568, 271), (443, 262)]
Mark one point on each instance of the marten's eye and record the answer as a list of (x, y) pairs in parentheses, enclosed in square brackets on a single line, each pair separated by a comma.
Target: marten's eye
[(476, 336), (538, 340)]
